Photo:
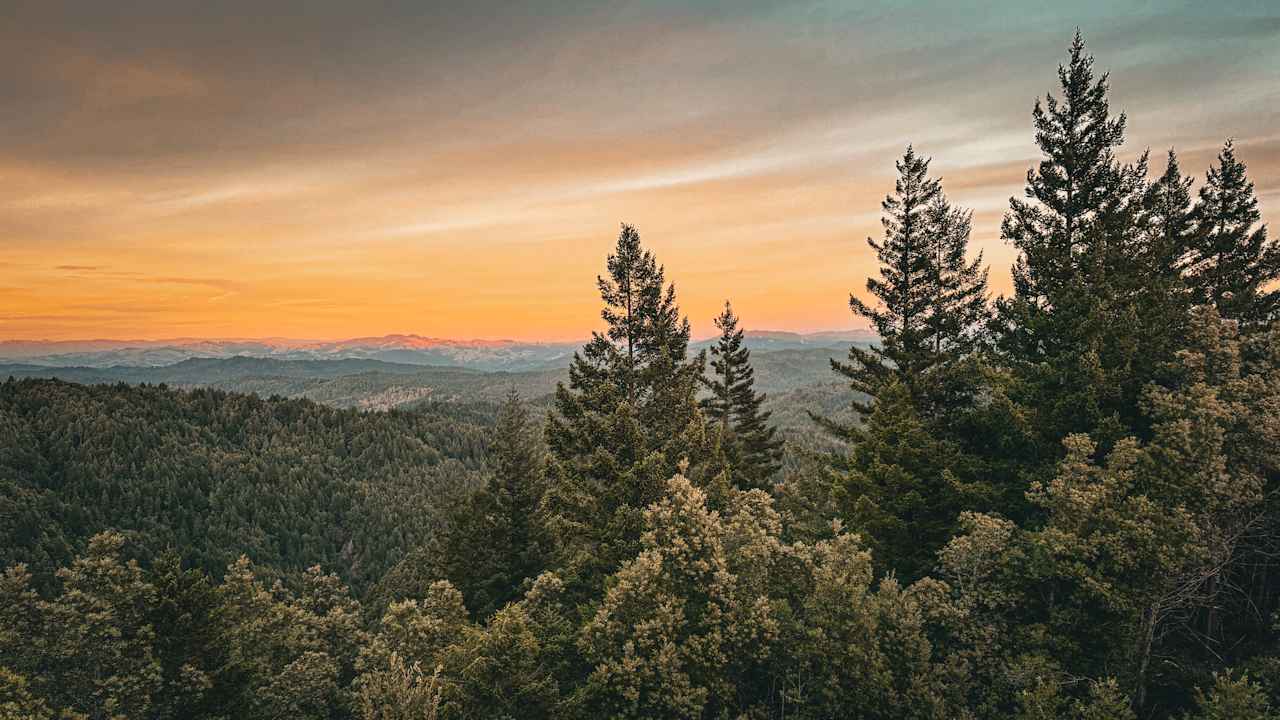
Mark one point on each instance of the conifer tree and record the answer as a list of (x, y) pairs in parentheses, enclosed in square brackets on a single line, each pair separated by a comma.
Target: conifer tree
[(959, 310), (899, 487), (518, 481), (932, 300), (493, 543), (1233, 262), (1169, 220), (1231, 698), (1057, 233), (899, 483), (1162, 297), (734, 406), (627, 418), (902, 288), (1068, 331)]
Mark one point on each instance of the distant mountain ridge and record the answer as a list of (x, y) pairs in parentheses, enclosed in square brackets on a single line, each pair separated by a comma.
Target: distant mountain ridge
[(378, 384), (507, 355), (408, 349)]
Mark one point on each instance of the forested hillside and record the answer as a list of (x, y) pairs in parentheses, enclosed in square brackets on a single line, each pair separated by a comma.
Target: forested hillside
[(214, 476), (797, 378), (1059, 503), (367, 384)]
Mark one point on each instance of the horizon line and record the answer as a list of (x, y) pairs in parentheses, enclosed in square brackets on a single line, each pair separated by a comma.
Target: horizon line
[(284, 338)]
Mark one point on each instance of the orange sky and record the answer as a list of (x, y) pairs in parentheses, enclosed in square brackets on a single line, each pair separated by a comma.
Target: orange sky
[(321, 172)]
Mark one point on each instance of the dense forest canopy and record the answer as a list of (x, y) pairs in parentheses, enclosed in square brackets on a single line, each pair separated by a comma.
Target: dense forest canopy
[(1060, 503), (216, 476)]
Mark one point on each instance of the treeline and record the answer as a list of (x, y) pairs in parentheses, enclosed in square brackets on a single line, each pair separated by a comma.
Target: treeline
[(1055, 504)]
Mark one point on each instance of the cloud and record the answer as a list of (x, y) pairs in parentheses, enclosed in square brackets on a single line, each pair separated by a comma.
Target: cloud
[(215, 283), (428, 157), (124, 308)]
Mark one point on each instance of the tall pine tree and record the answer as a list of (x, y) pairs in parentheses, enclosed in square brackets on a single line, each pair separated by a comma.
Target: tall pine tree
[(958, 312), (1233, 263), (899, 484), (1072, 330), (1163, 297), (747, 439), (932, 300), (903, 288), (1170, 223), (626, 420)]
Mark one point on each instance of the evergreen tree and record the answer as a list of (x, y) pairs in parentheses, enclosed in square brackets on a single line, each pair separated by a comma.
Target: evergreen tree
[(903, 288), (1159, 297), (1170, 223), (492, 544), (958, 313), (1233, 262), (627, 418), (1105, 702), (719, 616), (1072, 330), (734, 406), (932, 300), (509, 667), (899, 483), (91, 649), (1232, 699), (404, 691), (900, 486), (1169, 227), (958, 309), (182, 616), (18, 703), (1058, 232), (286, 654)]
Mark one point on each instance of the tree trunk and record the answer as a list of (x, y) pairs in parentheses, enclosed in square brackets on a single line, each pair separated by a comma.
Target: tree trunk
[(1145, 639)]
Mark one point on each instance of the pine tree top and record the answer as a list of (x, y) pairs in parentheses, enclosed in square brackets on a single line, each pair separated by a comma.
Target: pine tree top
[(1074, 181)]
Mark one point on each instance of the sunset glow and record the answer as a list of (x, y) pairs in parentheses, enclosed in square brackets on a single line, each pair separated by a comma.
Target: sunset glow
[(461, 171)]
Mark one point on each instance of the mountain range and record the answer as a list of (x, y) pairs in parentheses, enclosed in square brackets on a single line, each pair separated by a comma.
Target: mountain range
[(485, 355), (401, 371)]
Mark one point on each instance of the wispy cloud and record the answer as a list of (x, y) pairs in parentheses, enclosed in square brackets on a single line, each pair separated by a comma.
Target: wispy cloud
[(216, 283), (232, 171)]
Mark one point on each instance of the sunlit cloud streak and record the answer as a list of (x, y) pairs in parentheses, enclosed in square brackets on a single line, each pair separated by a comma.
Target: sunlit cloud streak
[(327, 169)]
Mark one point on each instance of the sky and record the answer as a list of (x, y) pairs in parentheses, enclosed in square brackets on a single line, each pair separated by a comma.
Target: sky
[(460, 169)]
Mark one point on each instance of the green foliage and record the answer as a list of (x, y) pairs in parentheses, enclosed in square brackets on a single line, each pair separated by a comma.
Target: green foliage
[(677, 623), (400, 692), (509, 667), (932, 300), (1077, 329), (899, 484), (1231, 699), (288, 483), (902, 480), (287, 654), (627, 418), (719, 617), (1233, 263), (16, 700), (1105, 702), (493, 543), (95, 644), (734, 407)]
